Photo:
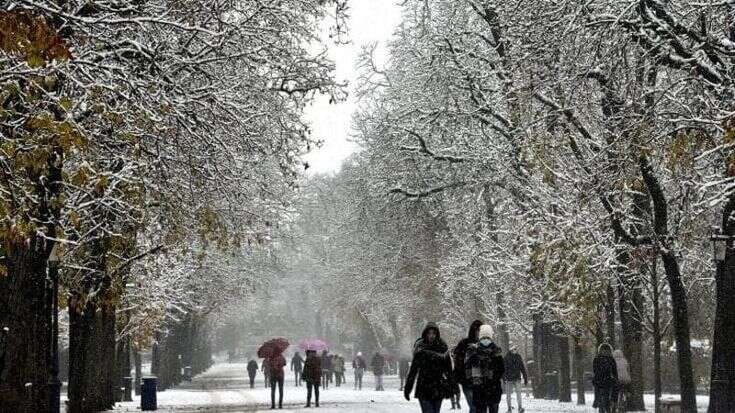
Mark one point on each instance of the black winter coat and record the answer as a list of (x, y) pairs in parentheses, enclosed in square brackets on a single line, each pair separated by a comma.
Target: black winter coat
[(378, 364), (297, 363), (461, 350), (605, 371), (484, 369), (514, 367), (252, 368), (433, 366), (312, 370)]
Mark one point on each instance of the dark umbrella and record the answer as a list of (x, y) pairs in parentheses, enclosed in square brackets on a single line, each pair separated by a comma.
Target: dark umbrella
[(272, 347)]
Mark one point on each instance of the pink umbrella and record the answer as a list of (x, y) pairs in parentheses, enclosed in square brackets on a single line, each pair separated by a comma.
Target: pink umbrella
[(314, 344)]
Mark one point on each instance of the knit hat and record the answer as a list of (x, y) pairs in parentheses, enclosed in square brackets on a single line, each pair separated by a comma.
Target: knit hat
[(359, 354), (485, 332)]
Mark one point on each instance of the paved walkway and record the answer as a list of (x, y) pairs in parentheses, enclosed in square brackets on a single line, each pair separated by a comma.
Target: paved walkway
[(224, 389)]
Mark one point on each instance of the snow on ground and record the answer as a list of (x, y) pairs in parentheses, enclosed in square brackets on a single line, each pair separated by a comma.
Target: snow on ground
[(224, 388)]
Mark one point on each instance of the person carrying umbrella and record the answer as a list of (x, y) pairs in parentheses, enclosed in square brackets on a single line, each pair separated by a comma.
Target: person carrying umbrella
[(265, 368), (312, 376), (326, 369), (272, 353)]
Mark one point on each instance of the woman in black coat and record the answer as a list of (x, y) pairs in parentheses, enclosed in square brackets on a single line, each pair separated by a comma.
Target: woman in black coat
[(432, 365), (484, 369), (312, 376), (605, 378)]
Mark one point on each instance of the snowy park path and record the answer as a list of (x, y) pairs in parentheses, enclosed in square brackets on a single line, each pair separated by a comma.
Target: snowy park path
[(224, 388)]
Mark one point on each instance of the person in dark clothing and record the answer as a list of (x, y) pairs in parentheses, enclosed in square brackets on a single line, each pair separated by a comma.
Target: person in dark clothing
[(297, 365), (484, 370), (326, 369), (431, 370), (514, 371), (378, 366), (455, 397), (252, 371), (459, 357), (276, 364), (359, 365), (342, 364), (266, 372), (312, 376), (605, 378), (403, 365)]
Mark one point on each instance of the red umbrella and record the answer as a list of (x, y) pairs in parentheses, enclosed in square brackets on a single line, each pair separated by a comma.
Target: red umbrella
[(272, 347)]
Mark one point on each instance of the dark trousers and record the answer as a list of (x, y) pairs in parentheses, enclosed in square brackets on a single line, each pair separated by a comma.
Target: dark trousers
[(297, 374), (276, 381), (484, 407), (430, 406), (325, 379), (403, 380), (267, 380), (337, 378), (309, 386), (252, 381)]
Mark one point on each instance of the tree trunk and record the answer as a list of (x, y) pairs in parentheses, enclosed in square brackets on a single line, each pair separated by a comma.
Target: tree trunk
[(503, 336), (656, 336), (579, 370), (610, 312), (631, 303), (722, 382), (25, 312), (537, 370), (565, 374), (138, 370)]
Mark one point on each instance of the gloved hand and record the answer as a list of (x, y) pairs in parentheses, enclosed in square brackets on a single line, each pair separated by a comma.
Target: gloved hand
[(407, 395)]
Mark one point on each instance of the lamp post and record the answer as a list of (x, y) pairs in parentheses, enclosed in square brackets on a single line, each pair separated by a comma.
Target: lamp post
[(723, 376), (53, 272)]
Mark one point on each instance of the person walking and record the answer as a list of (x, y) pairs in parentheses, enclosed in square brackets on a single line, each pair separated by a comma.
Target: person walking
[(252, 371), (459, 357), (276, 363), (605, 378), (431, 370), (297, 365), (514, 371), (312, 376), (484, 370), (338, 370), (359, 365), (403, 366), (326, 368), (266, 372), (624, 379), (378, 366)]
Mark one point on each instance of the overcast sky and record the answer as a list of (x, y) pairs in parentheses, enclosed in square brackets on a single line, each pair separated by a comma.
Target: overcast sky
[(370, 21)]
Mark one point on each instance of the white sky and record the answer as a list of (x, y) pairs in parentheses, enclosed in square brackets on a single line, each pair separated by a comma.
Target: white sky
[(370, 21)]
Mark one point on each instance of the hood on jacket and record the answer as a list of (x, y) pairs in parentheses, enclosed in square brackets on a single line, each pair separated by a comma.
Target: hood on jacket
[(431, 326), (474, 330), (605, 350)]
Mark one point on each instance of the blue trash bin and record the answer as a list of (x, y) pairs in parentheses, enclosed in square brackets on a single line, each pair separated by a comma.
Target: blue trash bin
[(148, 400)]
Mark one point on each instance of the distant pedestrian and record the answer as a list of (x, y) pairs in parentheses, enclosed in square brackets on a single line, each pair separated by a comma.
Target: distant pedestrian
[(297, 365), (338, 367), (514, 371), (378, 366), (312, 376), (359, 365), (403, 365), (484, 370), (276, 364), (431, 370), (459, 357), (342, 363), (605, 378), (326, 369), (252, 371), (266, 372), (624, 379)]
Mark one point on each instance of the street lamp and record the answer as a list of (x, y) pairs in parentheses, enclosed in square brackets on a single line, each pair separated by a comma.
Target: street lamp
[(53, 272)]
